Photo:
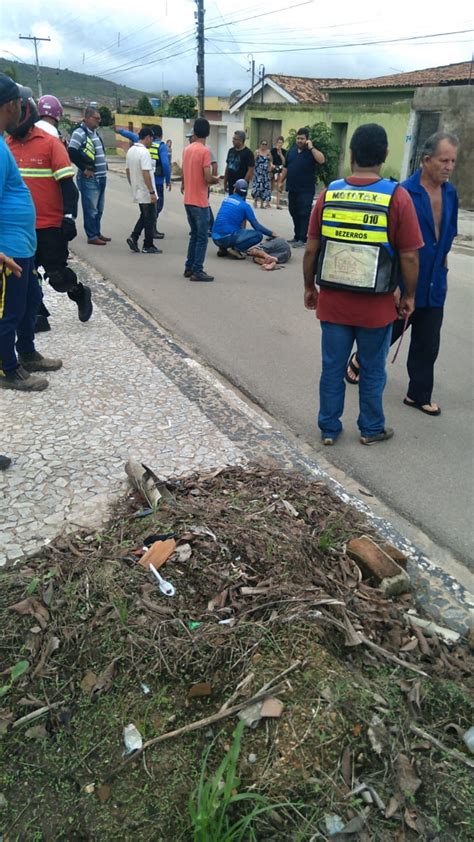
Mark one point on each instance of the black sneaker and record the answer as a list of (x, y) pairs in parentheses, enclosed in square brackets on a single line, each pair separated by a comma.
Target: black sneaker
[(158, 235), (151, 250), (221, 252), (133, 244), (5, 462), (201, 276), (22, 381), (84, 305), (41, 324), (36, 362), (187, 273)]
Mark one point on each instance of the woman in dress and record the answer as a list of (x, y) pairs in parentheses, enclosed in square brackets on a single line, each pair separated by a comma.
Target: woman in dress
[(261, 185), (278, 163)]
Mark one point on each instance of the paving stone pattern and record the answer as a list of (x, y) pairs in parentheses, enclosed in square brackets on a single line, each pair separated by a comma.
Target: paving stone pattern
[(70, 442)]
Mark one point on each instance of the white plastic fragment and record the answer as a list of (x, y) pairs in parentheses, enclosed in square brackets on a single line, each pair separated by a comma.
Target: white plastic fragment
[(132, 739)]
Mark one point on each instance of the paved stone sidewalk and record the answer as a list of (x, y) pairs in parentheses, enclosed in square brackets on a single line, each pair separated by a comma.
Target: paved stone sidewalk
[(70, 442), (127, 388)]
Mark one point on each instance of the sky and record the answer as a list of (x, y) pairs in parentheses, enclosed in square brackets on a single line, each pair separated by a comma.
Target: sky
[(152, 46)]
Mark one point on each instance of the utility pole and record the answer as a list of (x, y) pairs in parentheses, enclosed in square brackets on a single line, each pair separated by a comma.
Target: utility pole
[(261, 76), (199, 16), (38, 71), (252, 71)]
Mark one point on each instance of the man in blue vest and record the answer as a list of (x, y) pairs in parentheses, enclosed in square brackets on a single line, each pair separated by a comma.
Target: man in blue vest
[(87, 152), (436, 205), (363, 231), (160, 157)]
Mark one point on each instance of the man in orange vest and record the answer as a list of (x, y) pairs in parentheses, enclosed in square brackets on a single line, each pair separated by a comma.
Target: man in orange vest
[(46, 169)]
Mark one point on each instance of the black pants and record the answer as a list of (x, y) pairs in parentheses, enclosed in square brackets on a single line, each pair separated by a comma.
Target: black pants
[(52, 253), (145, 222), (299, 206), (424, 347)]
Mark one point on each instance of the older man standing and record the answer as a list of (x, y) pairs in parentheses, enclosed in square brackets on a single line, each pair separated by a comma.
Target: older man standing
[(240, 162), (436, 205), (87, 152)]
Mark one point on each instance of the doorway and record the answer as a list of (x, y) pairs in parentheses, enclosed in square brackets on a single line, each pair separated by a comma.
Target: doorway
[(267, 130), (339, 131), (427, 123)]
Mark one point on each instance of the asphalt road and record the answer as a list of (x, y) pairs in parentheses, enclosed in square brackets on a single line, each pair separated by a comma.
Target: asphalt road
[(252, 327)]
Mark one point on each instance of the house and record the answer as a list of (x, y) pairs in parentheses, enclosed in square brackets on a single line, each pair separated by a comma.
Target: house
[(410, 106)]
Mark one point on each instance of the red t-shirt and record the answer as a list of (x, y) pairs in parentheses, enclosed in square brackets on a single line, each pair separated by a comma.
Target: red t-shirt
[(196, 157), (363, 309), (43, 162)]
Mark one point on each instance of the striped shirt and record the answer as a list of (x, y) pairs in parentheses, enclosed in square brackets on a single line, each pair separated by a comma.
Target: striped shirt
[(78, 139)]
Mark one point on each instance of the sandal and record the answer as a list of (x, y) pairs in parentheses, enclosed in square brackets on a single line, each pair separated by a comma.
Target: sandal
[(352, 372), (421, 407)]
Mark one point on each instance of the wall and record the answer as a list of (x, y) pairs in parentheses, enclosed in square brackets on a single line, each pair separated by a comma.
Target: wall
[(456, 105), (176, 129)]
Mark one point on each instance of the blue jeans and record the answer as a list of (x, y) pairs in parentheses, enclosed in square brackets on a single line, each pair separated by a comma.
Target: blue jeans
[(372, 350), (198, 219), (92, 192), (240, 239), (21, 299)]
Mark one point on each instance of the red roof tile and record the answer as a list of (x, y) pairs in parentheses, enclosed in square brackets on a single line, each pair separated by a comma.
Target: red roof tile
[(303, 89)]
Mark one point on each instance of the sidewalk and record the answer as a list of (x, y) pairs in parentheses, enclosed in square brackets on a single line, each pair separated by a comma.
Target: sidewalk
[(127, 389)]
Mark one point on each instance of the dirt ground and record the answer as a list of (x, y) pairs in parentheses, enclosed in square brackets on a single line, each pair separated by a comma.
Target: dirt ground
[(368, 745)]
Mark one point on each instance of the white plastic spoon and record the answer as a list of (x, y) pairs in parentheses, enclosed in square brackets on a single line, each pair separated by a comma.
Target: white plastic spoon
[(165, 587)]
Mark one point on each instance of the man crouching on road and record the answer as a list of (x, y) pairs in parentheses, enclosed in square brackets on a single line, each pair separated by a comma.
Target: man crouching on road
[(363, 231), (227, 232), (20, 292)]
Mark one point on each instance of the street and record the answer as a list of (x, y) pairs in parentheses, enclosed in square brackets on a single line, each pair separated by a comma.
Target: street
[(251, 326)]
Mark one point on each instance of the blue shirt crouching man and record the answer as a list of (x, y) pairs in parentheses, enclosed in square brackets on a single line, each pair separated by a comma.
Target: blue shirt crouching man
[(228, 232)]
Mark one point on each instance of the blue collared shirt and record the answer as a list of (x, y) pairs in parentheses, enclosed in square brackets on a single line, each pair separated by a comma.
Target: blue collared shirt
[(432, 284)]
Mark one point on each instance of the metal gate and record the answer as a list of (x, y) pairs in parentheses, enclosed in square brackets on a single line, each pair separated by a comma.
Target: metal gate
[(427, 123)]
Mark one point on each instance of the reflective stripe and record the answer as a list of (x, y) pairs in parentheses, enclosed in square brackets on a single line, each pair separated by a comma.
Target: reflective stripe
[(5, 272), (154, 151), (65, 172), (26, 172), (354, 234), (357, 217), (359, 196)]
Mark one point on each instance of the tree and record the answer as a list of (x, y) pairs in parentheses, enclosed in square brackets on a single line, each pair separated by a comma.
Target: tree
[(11, 72), (145, 107), (324, 140), (106, 118), (183, 106)]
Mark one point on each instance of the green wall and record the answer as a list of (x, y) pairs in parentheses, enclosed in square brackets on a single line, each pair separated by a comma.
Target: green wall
[(391, 109)]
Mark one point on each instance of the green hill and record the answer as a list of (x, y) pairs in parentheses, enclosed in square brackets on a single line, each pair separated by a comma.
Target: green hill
[(66, 84)]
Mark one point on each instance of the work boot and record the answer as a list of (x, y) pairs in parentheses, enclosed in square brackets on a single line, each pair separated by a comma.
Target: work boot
[(84, 305), (5, 462), (36, 362), (41, 324), (22, 380)]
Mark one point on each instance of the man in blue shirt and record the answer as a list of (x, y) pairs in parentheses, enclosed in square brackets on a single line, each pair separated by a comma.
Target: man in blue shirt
[(160, 157), (300, 173), (20, 296), (436, 204), (227, 232)]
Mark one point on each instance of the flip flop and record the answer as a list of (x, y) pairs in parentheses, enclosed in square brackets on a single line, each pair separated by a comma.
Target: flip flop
[(355, 371), (420, 406)]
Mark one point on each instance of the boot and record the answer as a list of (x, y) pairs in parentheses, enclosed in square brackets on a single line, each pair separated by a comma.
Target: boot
[(36, 362), (22, 381)]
